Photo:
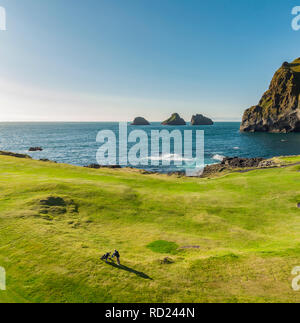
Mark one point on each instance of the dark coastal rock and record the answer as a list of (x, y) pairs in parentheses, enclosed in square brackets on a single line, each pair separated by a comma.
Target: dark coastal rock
[(97, 166), (200, 120), (211, 170), (174, 120), (267, 164), (112, 166), (35, 149), (140, 122), (8, 153), (178, 174), (230, 163), (237, 162), (279, 109), (94, 166)]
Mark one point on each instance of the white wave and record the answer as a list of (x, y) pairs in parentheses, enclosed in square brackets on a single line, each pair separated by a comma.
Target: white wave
[(218, 157), (171, 157), (236, 148)]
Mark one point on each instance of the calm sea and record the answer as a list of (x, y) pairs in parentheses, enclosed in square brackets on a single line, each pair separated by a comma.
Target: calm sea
[(75, 143)]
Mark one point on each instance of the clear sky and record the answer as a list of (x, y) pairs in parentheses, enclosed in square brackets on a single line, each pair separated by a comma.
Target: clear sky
[(113, 60)]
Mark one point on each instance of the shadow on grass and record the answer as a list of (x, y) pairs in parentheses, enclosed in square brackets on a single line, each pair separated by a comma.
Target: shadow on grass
[(130, 270)]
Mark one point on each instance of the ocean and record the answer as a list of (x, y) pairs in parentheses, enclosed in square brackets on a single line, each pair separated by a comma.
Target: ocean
[(75, 143)]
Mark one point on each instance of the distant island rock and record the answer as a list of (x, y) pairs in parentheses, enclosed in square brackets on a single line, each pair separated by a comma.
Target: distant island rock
[(279, 109), (174, 120), (139, 121), (35, 149), (200, 120)]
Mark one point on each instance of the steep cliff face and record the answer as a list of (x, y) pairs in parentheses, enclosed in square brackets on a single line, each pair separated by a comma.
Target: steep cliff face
[(279, 108)]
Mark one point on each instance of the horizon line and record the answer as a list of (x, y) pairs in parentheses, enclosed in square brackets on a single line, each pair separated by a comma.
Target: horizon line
[(98, 121)]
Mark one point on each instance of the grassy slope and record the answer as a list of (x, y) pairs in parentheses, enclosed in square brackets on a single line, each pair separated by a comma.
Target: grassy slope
[(247, 227)]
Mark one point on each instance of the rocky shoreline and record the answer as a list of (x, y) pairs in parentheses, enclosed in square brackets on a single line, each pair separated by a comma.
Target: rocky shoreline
[(234, 163), (227, 165)]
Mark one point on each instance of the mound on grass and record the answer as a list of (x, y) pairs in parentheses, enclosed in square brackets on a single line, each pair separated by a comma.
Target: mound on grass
[(51, 206), (56, 221)]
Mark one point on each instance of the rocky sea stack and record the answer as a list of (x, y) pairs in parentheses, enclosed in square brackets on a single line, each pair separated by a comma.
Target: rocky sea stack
[(200, 120), (174, 120), (279, 109), (139, 121), (35, 149)]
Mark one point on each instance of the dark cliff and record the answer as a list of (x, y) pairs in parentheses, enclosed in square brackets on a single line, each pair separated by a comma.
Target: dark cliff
[(279, 108)]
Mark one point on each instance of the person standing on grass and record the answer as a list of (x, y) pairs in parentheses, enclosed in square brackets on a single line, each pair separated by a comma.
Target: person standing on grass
[(117, 255), (106, 257)]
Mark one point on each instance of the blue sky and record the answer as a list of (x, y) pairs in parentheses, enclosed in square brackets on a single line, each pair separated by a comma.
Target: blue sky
[(112, 60)]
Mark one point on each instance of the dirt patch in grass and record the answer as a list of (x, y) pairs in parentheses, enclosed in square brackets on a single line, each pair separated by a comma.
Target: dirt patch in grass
[(167, 261), (190, 247)]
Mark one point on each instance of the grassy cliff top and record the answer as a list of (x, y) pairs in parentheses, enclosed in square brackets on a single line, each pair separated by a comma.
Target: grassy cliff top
[(295, 65), (229, 239)]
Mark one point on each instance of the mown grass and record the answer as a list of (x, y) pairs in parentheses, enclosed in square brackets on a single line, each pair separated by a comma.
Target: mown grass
[(245, 226)]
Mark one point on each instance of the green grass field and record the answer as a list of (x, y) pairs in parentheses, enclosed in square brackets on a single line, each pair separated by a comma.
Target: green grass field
[(234, 238)]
